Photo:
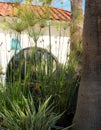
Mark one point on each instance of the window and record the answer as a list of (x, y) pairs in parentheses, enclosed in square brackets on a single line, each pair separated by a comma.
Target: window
[(15, 44)]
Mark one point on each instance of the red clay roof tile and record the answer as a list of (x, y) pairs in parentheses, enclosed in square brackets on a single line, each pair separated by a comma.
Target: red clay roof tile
[(7, 9)]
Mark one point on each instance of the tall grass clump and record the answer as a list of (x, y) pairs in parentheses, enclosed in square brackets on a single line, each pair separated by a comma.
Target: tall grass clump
[(18, 112), (43, 79)]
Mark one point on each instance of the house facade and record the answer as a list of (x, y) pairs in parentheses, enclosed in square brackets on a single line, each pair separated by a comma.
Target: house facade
[(49, 31)]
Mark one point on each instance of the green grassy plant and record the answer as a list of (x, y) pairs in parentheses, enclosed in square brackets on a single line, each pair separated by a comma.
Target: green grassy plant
[(42, 81), (18, 112), (24, 118)]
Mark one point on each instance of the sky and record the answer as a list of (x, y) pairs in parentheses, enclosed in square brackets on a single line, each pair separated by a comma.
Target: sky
[(64, 4)]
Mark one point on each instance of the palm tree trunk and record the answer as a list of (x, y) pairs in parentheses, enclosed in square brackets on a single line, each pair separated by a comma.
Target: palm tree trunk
[(76, 24), (88, 113), (76, 35)]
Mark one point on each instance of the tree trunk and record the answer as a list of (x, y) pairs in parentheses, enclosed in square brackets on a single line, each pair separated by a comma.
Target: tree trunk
[(76, 24), (88, 113), (76, 35)]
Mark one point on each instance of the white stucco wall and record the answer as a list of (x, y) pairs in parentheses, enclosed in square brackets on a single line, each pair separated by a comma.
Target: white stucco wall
[(59, 44)]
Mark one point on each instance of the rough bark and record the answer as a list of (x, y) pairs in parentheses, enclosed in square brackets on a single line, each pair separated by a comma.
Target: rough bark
[(76, 35), (88, 113), (76, 24)]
